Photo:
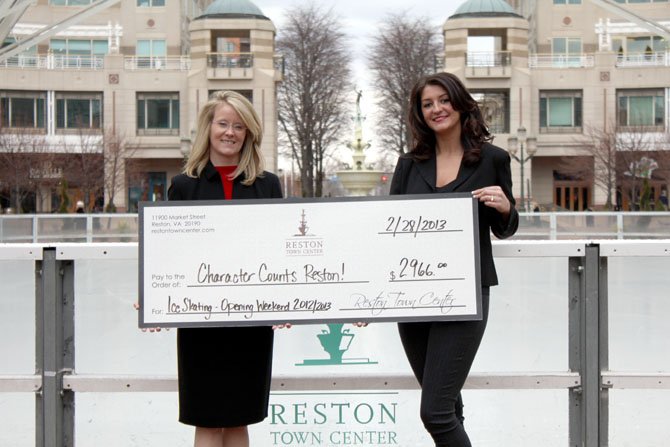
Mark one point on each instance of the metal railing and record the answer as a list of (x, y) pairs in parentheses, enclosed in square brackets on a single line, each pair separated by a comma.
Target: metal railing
[(54, 62), (488, 58), (594, 225), (180, 63), (561, 61), (230, 60), (647, 59), (588, 381), (40, 228), (26, 228)]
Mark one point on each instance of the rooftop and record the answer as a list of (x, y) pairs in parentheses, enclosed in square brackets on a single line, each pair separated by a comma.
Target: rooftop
[(232, 9), (484, 8)]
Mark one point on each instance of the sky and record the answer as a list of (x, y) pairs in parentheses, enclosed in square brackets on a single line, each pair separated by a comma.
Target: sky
[(360, 19)]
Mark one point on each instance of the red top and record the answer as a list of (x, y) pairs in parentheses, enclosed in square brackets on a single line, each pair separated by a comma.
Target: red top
[(224, 172)]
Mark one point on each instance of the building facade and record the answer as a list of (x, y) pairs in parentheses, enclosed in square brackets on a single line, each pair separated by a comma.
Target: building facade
[(122, 89), (578, 91)]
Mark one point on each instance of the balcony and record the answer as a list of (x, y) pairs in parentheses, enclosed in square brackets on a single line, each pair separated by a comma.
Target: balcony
[(488, 64), (94, 62), (561, 61), (230, 65), (54, 62), (157, 63), (650, 59)]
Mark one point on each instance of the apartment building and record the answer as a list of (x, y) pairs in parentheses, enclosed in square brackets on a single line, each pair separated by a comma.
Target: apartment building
[(578, 91), (121, 88)]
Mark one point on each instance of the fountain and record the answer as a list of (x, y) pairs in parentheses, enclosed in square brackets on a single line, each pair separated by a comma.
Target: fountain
[(359, 179)]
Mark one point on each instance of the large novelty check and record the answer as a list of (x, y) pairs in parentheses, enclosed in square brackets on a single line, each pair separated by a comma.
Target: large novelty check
[(231, 263)]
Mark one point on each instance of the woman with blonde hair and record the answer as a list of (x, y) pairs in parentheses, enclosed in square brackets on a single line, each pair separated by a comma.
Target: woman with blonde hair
[(224, 372)]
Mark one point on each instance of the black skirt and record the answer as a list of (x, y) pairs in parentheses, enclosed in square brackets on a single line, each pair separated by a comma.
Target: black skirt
[(224, 375)]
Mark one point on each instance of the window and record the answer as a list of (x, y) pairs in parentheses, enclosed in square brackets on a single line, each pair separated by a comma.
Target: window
[(146, 186), (151, 53), (26, 58), (78, 52), (641, 108), (494, 106), (231, 49), (149, 3), (560, 111), (249, 94), (158, 113), (78, 110), (566, 51), (23, 109), (639, 44), (231, 41)]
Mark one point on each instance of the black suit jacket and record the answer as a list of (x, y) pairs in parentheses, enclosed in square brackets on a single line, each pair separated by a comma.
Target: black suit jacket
[(493, 168), (210, 187)]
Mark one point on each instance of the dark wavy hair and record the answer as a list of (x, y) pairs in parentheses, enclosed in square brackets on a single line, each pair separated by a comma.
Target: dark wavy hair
[(474, 132)]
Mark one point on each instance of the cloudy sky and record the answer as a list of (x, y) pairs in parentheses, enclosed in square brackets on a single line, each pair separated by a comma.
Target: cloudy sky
[(360, 19)]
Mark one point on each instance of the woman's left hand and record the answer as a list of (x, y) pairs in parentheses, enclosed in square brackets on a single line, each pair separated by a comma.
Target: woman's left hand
[(493, 197)]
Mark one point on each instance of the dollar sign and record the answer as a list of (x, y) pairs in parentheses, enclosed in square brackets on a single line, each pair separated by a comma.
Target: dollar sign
[(392, 276)]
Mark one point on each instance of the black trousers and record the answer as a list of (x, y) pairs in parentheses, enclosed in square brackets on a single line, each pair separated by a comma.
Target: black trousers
[(441, 354)]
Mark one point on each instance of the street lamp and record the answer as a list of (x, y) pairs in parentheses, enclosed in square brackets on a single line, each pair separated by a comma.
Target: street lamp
[(519, 142)]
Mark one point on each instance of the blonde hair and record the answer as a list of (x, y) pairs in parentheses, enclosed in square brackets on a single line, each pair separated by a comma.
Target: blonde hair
[(251, 160)]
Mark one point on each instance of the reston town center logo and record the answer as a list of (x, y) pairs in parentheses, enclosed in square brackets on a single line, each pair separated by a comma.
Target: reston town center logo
[(335, 340)]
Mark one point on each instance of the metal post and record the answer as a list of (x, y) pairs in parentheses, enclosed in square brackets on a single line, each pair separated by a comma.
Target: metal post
[(576, 294), (522, 161), (588, 348), (603, 348), (591, 347), (553, 226), (89, 228), (54, 407), (35, 229), (619, 226)]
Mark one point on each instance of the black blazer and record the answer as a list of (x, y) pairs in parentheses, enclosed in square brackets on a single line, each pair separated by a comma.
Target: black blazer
[(493, 168), (210, 187)]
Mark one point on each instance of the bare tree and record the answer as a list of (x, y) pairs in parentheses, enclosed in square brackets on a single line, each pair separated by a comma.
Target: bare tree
[(639, 153), (86, 167), (23, 162), (311, 108), (403, 51), (601, 144), (117, 149), (619, 157)]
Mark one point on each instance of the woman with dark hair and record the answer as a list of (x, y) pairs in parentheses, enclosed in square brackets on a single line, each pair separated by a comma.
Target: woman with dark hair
[(224, 372), (452, 153)]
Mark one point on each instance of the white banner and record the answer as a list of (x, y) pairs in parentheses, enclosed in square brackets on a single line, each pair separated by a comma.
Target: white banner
[(398, 258)]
